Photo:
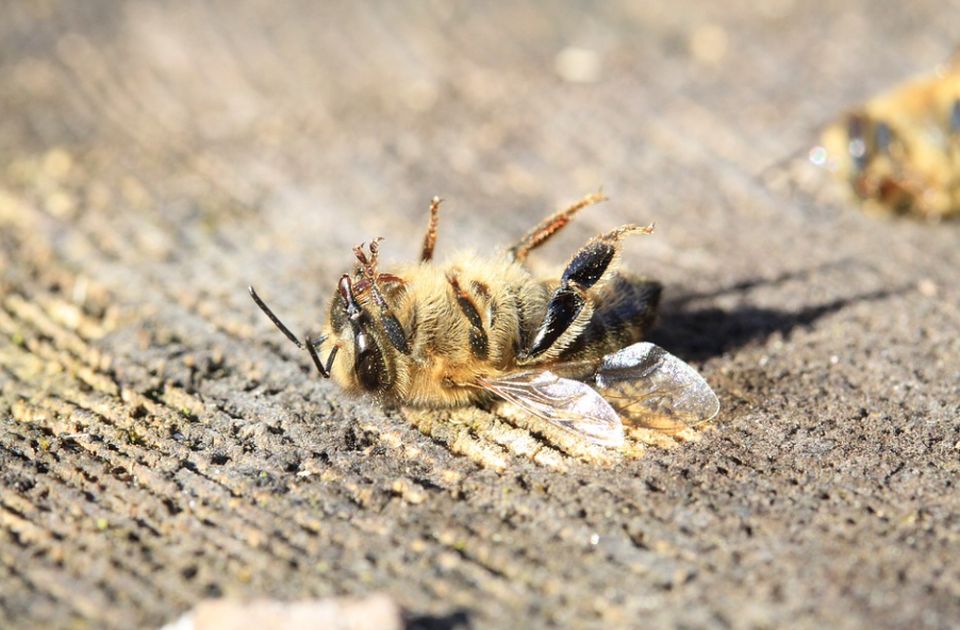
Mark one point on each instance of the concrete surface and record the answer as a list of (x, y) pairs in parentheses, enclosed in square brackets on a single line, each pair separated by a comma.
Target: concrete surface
[(161, 444)]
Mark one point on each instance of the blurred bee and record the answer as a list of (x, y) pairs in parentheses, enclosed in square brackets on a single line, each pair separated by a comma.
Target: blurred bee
[(478, 330), (900, 152)]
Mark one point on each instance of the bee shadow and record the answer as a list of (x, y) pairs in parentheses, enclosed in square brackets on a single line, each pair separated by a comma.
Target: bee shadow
[(703, 333)]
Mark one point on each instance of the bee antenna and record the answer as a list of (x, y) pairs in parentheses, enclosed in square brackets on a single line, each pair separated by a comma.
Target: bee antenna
[(273, 318), (310, 344)]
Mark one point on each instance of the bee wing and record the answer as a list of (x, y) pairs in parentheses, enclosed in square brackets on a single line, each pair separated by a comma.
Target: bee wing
[(649, 386), (563, 402)]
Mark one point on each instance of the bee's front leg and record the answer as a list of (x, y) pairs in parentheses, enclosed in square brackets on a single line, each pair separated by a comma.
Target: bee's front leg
[(571, 305)]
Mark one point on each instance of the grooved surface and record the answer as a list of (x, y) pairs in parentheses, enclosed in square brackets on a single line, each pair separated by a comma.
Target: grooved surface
[(161, 443)]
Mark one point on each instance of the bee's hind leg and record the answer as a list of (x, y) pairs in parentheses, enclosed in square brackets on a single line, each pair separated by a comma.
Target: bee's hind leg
[(572, 303), (550, 226)]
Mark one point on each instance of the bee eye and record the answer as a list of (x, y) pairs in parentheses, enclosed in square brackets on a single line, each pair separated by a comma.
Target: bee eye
[(882, 137), (370, 367), (338, 314), (857, 145)]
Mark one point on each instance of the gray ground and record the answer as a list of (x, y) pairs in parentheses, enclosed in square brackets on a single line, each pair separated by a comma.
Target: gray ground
[(160, 443)]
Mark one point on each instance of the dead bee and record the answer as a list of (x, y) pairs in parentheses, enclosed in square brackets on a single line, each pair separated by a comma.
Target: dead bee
[(900, 152), (477, 330)]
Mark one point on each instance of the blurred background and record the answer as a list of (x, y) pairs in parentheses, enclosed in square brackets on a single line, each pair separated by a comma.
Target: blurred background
[(157, 157), (174, 121)]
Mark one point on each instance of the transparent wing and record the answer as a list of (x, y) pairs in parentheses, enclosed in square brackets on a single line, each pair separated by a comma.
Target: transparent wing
[(651, 388), (568, 404)]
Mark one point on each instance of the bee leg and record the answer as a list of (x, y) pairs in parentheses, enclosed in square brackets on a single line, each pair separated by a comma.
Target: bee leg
[(310, 344), (324, 369), (550, 226), (572, 303), (430, 238), (955, 117), (391, 325), (624, 310), (568, 310)]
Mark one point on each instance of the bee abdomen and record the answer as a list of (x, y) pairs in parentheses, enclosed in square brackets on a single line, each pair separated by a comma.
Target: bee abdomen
[(623, 314), (479, 345)]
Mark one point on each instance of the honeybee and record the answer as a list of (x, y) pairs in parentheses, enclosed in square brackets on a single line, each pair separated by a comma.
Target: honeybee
[(900, 152), (477, 330)]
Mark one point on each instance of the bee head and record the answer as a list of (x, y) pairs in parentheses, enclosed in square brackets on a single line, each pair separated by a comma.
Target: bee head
[(354, 324)]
